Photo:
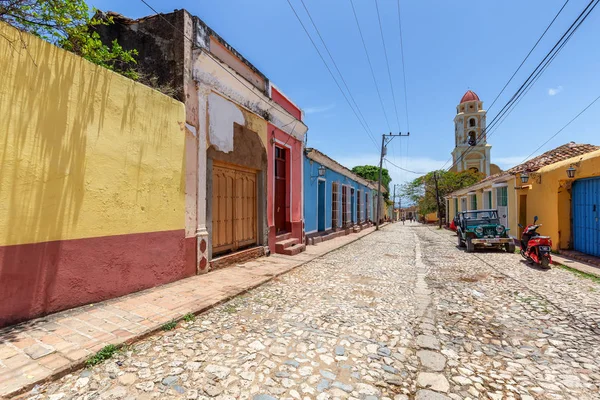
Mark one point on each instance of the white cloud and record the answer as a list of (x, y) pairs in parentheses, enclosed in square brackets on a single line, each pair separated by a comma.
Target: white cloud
[(315, 110), (555, 91)]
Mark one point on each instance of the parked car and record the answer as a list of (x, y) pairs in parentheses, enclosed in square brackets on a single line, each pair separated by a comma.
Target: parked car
[(482, 228)]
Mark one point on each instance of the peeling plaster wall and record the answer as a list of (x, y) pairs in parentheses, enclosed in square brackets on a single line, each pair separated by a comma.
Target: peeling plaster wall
[(222, 115), (222, 79)]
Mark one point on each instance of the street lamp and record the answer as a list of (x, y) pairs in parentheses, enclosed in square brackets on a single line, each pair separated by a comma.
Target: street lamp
[(571, 172), (524, 177), (322, 170)]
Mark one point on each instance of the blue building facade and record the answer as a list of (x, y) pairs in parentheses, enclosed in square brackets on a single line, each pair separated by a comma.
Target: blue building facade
[(335, 198)]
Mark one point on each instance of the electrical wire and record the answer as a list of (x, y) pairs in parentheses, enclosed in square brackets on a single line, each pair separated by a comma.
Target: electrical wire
[(534, 76), (404, 69), (331, 73), (260, 97), (370, 66), (335, 65), (528, 54), (387, 62), (561, 129), (404, 169)]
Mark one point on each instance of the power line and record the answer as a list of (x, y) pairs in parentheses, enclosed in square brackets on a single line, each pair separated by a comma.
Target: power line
[(260, 97), (561, 129), (534, 76), (387, 63), (370, 66), (404, 69), (404, 169), (336, 66), (331, 72), (528, 54)]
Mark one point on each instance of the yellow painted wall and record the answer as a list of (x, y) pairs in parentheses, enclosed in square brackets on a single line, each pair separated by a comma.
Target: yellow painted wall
[(551, 199), (84, 152), (256, 124)]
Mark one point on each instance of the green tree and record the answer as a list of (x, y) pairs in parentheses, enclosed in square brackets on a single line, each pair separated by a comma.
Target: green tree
[(68, 24), (371, 172), (421, 191)]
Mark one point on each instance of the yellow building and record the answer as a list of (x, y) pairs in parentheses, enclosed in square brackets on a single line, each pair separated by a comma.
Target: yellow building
[(542, 187), (92, 194)]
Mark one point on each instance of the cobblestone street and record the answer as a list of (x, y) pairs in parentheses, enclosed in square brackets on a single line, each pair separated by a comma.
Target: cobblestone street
[(399, 314)]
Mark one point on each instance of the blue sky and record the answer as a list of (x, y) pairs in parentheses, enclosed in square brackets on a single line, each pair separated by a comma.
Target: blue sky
[(449, 47)]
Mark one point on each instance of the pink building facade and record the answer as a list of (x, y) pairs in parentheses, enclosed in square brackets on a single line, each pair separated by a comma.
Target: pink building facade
[(285, 187)]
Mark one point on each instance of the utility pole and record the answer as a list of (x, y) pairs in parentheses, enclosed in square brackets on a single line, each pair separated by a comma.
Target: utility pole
[(394, 204), (385, 139), (437, 199), (394, 200)]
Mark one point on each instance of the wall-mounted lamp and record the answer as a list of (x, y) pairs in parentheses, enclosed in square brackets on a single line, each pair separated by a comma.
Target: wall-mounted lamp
[(526, 175), (320, 172), (571, 170)]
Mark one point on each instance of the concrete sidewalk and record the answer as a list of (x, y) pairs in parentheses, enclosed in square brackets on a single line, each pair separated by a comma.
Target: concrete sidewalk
[(575, 264), (49, 347)]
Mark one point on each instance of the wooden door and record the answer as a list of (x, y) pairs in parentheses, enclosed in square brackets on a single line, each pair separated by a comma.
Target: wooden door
[(234, 208), (280, 200), (523, 212)]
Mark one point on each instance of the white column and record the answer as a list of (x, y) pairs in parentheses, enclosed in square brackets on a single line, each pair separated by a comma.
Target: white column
[(201, 231)]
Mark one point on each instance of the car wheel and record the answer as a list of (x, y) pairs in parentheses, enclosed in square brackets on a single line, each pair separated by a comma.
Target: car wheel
[(470, 246), (510, 247), (460, 241)]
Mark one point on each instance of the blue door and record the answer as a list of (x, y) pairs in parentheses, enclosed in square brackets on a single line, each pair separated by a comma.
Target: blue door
[(586, 216), (321, 207)]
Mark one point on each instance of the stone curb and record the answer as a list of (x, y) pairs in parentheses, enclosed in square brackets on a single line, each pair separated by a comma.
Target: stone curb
[(75, 365)]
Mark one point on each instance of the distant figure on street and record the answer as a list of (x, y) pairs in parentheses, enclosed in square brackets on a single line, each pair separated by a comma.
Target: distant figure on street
[(403, 220)]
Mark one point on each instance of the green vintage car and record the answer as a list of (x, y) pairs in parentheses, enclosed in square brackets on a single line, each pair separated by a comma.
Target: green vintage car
[(482, 228)]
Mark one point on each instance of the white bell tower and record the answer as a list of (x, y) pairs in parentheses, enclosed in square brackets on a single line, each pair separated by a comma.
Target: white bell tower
[(471, 150)]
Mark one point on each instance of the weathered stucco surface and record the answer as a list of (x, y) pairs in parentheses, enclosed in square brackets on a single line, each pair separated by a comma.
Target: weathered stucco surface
[(92, 184), (222, 114)]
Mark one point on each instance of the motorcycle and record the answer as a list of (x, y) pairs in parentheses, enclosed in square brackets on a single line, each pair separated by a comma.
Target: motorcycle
[(534, 247)]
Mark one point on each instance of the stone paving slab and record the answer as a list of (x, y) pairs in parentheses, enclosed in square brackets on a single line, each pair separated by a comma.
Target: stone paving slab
[(49, 347)]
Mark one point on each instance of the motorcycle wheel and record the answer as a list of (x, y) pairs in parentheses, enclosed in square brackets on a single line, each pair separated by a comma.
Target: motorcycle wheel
[(523, 254), (545, 263)]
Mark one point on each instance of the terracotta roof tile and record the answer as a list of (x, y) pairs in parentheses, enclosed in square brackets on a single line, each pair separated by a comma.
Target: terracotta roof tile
[(560, 153)]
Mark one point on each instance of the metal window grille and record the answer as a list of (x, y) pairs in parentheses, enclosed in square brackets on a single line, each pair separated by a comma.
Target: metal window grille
[(335, 193)]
